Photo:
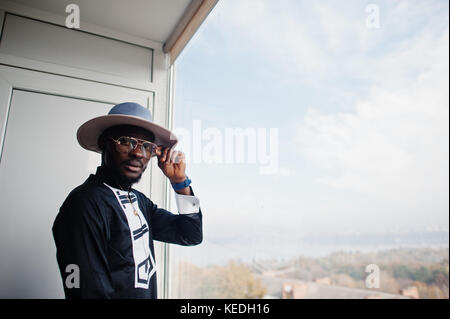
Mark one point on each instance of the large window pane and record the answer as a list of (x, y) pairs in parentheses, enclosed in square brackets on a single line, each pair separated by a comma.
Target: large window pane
[(317, 140)]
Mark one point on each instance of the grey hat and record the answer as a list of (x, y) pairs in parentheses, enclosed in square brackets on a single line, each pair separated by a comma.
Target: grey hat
[(127, 113)]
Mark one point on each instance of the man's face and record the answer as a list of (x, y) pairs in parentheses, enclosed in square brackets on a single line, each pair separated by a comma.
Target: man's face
[(129, 164)]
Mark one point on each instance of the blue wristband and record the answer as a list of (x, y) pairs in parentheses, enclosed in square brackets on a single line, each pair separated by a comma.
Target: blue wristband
[(182, 185)]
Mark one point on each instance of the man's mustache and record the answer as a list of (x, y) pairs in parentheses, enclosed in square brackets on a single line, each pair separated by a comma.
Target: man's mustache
[(133, 162)]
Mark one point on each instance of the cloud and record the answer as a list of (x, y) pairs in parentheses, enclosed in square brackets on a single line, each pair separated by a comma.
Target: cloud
[(326, 41), (397, 129), (377, 123), (394, 145), (286, 171), (269, 29)]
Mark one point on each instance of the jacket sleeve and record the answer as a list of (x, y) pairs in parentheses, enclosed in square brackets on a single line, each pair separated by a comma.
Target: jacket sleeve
[(80, 234), (181, 229)]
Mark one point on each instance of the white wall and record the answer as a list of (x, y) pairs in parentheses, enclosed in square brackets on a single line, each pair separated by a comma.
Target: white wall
[(52, 79)]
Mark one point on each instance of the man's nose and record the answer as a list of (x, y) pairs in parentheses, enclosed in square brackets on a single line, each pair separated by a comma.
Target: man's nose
[(138, 151)]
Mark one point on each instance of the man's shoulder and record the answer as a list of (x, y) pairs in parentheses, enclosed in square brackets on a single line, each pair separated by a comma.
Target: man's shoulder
[(84, 201), (90, 191)]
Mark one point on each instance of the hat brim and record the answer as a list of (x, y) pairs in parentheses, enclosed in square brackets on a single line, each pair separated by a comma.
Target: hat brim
[(89, 132)]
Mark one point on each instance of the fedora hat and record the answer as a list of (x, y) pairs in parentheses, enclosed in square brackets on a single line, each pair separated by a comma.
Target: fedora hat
[(127, 113)]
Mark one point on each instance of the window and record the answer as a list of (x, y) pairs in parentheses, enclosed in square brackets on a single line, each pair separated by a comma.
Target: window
[(317, 141)]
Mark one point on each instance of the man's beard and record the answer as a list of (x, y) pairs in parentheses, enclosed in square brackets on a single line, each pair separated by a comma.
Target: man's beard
[(132, 180), (125, 180)]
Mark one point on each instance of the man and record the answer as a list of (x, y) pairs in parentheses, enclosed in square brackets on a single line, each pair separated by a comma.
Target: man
[(105, 228)]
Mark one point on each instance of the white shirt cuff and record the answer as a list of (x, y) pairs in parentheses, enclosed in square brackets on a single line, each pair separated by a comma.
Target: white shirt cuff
[(187, 204)]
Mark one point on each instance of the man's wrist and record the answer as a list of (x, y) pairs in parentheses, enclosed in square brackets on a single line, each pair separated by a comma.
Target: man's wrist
[(182, 186), (185, 191)]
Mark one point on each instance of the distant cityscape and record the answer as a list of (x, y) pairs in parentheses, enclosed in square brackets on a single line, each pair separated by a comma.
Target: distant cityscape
[(401, 273), (246, 247)]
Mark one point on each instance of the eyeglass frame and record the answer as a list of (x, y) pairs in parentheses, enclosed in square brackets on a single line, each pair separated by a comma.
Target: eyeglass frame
[(139, 141)]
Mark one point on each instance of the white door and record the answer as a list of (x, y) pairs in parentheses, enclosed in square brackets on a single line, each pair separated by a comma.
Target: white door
[(41, 162)]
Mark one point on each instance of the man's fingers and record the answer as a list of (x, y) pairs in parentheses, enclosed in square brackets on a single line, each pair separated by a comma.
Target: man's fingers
[(159, 151), (179, 157), (160, 154), (174, 156), (168, 155), (164, 154)]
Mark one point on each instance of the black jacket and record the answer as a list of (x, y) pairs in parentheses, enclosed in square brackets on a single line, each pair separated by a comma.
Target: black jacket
[(112, 247)]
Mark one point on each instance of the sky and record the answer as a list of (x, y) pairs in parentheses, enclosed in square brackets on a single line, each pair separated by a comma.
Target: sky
[(359, 101)]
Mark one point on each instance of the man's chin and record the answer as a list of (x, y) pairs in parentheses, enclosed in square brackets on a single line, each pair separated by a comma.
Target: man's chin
[(131, 178)]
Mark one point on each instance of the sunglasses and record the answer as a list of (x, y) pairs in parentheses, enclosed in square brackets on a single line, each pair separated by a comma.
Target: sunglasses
[(128, 144)]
